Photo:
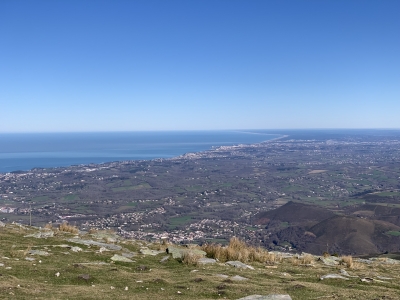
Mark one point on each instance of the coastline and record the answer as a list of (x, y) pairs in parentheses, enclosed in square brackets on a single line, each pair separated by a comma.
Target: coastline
[(51, 160)]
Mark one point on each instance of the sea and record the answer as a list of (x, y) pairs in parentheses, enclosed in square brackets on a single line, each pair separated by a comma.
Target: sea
[(25, 151)]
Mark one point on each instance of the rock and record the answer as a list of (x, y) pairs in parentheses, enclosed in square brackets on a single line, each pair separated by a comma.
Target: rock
[(222, 276), (147, 251), (109, 237), (164, 259), (238, 278), (330, 261), (61, 246), (344, 273), (85, 277), (57, 274), (333, 276), (367, 279), (102, 249), (128, 254), (365, 261), (2, 224), (41, 234), (283, 254), (205, 261), (142, 268), (94, 243), (180, 252), (95, 263), (39, 252), (267, 297), (385, 260), (1, 265), (384, 278), (76, 249), (238, 264), (120, 258), (29, 259)]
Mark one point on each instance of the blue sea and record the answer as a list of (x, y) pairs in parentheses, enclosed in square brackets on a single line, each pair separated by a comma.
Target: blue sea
[(24, 151)]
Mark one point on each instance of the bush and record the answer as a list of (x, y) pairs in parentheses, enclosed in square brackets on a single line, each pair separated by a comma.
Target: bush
[(238, 250), (348, 261), (191, 258), (68, 228)]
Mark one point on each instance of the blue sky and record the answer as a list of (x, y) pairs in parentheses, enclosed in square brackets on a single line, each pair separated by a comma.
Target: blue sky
[(193, 65)]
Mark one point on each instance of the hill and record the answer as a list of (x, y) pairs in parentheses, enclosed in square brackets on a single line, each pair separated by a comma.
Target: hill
[(294, 213), (367, 230), (380, 212), (351, 235), (52, 264)]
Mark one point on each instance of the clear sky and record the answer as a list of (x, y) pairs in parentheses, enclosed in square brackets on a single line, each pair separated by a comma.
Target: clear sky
[(79, 65)]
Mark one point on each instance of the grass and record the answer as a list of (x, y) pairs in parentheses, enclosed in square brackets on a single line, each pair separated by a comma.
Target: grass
[(132, 187), (394, 233), (238, 250), (71, 197), (40, 198), (388, 194), (147, 278), (65, 227), (177, 221)]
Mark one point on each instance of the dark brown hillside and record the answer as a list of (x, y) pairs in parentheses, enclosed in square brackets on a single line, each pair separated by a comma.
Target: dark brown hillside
[(294, 213), (379, 212), (351, 235)]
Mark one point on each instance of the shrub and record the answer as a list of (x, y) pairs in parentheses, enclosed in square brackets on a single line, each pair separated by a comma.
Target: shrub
[(348, 261), (238, 250), (49, 226), (307, 259), (68, 228), (191, 258)]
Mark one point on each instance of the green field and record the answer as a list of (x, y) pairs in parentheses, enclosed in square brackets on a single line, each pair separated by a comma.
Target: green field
[(394, 233), (177, 221), (40, 198), (132, 187), (71, 197)]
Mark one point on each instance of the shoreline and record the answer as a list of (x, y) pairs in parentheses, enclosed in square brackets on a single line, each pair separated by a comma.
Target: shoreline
[(180, 156)]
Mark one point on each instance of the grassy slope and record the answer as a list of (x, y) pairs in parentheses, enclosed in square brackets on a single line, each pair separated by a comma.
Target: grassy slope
[(34, 280)]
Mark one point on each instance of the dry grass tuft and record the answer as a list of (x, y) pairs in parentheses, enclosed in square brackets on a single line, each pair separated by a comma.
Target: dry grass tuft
[(238, 250), (93, 230), (68, 228), (49, 226), (307, 259), (191, 258), (348, 261)]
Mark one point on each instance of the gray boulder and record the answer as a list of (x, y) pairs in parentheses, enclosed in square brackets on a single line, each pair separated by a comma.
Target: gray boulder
[(238, 278), (39, 252), (41, 234), (239, 264), (267, 297), (330, 261), (120, 258), (147, 251), (94, 243), (206, 261), (180, 252), (333, 276)]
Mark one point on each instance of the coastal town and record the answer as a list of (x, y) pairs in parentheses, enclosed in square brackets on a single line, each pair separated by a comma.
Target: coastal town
[(207, 196)]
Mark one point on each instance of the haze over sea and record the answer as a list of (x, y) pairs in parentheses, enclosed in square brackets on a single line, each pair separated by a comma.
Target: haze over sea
[(24, 151)]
